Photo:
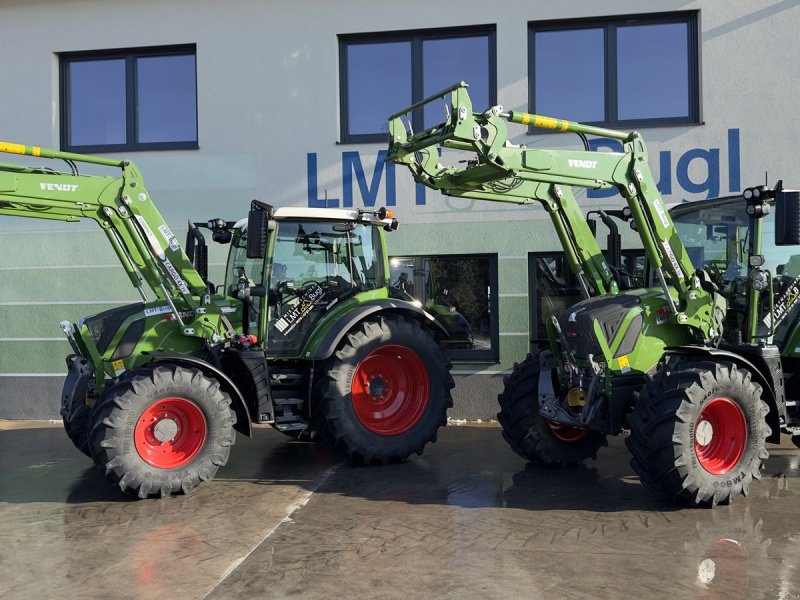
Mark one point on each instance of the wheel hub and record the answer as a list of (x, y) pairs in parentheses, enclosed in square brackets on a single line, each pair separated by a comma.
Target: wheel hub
[(377, 387), (704, 433), (165, 430)]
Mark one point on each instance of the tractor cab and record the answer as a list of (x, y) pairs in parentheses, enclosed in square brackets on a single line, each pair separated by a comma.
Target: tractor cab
[(314, 259), (741, 251)]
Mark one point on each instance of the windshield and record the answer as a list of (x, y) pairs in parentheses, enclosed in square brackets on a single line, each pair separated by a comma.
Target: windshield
[(340, 254), (717, 239)]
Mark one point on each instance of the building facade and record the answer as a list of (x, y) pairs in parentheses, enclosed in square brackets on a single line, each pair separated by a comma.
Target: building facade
[(222, 102)]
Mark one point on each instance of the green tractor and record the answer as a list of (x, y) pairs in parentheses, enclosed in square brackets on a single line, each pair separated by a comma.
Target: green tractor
[(695, 363), (305, 334)]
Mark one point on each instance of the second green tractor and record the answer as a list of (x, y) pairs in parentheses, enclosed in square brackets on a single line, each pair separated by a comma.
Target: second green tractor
[(694, 364)]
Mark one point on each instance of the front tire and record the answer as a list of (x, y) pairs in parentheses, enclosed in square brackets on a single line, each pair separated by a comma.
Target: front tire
[(698, 432), (534, 437), (162, 430), (385, 391), (74, 411)]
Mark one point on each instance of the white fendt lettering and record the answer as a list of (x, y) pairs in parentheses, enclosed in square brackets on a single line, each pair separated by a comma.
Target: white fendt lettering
[(582, 164), (58, 187)]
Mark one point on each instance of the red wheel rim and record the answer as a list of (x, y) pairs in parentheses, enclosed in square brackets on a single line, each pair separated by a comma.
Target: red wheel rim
[(390, 390), (566, 433), (170, 433), (720, 436)]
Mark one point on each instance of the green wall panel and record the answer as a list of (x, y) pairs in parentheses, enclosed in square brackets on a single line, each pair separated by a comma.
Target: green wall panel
[(33, 357)]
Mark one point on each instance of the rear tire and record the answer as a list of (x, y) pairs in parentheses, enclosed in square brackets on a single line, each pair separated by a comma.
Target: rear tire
[(534, 437), (384, 393), (698, 432), (162, 430)]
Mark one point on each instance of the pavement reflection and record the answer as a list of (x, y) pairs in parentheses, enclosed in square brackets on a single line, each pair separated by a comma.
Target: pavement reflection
[(468, 519)]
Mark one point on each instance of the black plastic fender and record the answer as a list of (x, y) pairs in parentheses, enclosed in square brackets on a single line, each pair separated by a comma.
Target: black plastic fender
[(330, 341), (774, 394), (79, 374), (243, 422)]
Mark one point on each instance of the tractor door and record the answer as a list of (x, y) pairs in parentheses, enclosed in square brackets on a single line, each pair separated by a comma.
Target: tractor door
[(313, 265)]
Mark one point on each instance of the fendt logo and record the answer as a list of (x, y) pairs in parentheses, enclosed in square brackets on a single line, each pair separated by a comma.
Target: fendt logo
[(58, 187), (582, 164)]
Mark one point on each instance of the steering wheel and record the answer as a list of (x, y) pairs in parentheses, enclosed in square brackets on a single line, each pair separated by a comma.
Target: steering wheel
[(296, 292)]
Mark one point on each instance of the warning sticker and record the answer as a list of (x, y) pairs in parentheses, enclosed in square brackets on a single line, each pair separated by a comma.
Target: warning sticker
[(118, 366), (624, 364)]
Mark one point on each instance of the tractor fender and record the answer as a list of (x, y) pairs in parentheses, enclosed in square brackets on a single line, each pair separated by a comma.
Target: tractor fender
[(775, 411), (327, 345), (243, 422)]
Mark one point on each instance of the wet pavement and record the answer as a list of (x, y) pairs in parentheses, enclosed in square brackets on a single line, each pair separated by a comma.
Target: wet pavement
[(468, 519)]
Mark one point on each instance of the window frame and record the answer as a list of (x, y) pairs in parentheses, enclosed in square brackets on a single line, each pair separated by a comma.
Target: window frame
[(416, 37), (609, 25), (130, 56), (491, 355)]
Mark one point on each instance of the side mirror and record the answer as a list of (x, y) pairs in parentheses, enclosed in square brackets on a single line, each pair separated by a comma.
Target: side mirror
[(787, 217), (257, 227)]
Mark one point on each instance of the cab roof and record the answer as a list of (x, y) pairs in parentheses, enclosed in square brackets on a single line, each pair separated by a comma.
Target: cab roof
[(284, 213)]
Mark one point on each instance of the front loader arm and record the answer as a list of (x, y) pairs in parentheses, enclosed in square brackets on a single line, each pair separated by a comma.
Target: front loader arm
[(501, 171), (121, 206)]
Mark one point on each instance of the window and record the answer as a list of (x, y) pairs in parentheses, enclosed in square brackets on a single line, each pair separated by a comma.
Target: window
[(461, 293), (622, 71), (383, 73), (143, 99)]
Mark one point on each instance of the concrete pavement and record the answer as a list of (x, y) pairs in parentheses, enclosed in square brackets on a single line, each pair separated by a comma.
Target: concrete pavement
[(468, 519)]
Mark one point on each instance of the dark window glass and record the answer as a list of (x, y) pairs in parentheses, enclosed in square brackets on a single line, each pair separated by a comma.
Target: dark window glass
[(620, 71), (566, 64), (461, 293), (384, 73), (377, 84), (553, 287), (129, 100), (448, 61), (653, 67), (166, 93), (97, 98)]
